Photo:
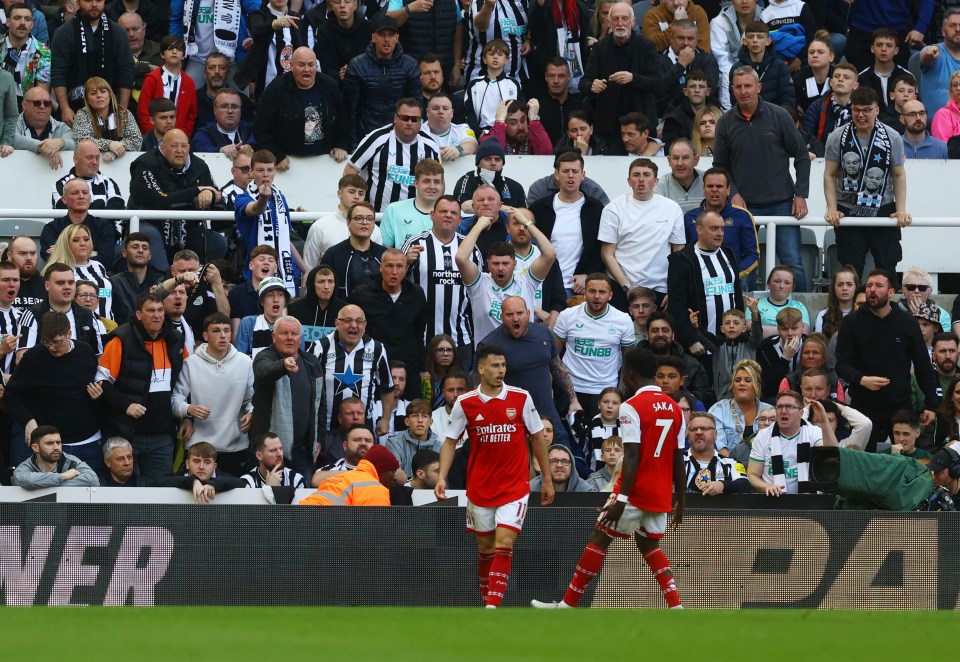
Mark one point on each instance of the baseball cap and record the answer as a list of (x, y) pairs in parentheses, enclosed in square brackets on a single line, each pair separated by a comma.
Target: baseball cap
[(929, 312), (384, 22), (941, 460), (272, 283)]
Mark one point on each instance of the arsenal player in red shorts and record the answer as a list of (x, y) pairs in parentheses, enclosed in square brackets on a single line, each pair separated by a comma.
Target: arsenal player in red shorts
[(651, 427), (498, 419)]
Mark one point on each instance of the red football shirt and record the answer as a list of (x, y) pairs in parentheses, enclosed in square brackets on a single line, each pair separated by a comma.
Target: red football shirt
[(498, 469), (652, 419)]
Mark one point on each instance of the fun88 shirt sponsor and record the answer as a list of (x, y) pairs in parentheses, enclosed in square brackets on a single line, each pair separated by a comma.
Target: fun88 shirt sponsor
[(593, 344)]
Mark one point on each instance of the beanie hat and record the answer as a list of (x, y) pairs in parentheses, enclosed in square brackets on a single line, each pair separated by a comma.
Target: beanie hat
[(382, 459), (272, 283), (490, 147)]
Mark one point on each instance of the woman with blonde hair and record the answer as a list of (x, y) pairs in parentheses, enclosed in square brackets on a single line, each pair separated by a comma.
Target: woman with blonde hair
[(74, 247), (704, 133), (736, 416), (113, 129), (946, 121)]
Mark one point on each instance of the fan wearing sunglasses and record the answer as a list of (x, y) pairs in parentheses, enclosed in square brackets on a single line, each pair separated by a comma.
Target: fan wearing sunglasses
[(917, 290), (38, 132)]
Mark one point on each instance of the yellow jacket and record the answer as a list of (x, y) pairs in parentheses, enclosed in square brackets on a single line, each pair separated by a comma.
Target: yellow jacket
[(357, 487)]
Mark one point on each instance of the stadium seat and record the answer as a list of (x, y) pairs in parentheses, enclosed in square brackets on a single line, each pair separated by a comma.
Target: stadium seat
[(810, 254), (913, 65), (15, 227), (831, 260)]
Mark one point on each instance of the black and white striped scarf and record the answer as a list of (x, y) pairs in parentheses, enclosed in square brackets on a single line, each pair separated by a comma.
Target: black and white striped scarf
[(273, 229), (777, 469), (877, 157)]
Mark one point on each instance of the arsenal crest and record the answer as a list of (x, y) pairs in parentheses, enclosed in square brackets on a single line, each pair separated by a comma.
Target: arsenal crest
[(511, 413)]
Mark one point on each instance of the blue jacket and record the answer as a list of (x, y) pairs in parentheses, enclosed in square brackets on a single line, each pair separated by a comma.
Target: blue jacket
[(774, 76), (928, 148), (822, 117), (740, 234), (208, 139)]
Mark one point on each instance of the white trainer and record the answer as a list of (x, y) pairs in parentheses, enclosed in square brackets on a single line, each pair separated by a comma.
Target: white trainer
[(537, 604)]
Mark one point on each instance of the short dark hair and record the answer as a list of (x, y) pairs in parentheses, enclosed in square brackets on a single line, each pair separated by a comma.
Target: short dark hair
[(891, 279), (670, 361), (354, 180), (406, 101), (864, 96), (423, 458), (397, 363), (942, 336), (55, 267), (54, 324), (885, 33), (905, 417), (260, 439), (568, 157), (42, 431), (428, 58), (557, 61), (135, 236), (579, 114), (501, 249), (902, 77), (486, 351), (791, 394), (265, 249), (661, 315), (160, 105), (215, 318), (517, 106), (599, 275), (640, 362), (717, 170), (171, 41), (148, 297), (756, 26), (643, 162), (357, 426), (262, 156), (446, 197), (453, 373), (639, 120)]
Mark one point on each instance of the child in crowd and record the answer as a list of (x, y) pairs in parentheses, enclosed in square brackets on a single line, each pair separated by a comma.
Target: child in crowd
[(485, 93), (591, 434), (905, 429), (832, 110), (901, 89), (163, 115), (740, 342), (843, 288), (641, 301), (780, 284), (670, 377), (171, 82), (777, 85), (611, 450), (884, 46), (779, 355)]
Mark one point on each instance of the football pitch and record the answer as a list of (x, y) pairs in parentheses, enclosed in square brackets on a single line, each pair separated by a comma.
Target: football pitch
[(422, 634)]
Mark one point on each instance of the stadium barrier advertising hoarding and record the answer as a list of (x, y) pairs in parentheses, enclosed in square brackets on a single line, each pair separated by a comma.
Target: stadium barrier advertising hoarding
[(70, 554)]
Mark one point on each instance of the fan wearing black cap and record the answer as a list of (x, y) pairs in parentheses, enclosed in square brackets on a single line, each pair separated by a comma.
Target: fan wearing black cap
[(945, 467), (490, 160)]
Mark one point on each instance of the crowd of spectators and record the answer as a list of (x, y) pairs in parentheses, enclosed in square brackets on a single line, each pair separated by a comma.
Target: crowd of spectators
[(247, 355)]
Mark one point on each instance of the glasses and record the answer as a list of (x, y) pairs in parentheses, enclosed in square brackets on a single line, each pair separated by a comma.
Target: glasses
[(561, 463), (862, 111), (40, 103), (787, 408), (363, 220), (916, 288), (444, 350), (243, 169), (916, 113), (702, 428), (349, 321), (686, 410), (408, 118), (765, 420), (55, 343), (88, 295), (229, 106)]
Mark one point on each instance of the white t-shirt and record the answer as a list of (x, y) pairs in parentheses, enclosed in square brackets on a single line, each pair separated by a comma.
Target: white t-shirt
[(642, 232), (523, 266), (486, 298), (454, 136), (440, 424), (760, 451), (593, 345), (567, 236)]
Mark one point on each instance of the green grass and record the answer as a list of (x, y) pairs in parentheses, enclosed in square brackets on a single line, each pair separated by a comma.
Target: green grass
[(195, 634)]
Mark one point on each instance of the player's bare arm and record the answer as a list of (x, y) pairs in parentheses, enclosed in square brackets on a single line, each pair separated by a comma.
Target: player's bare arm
[(540, 452), (447, 450), (679, 494)]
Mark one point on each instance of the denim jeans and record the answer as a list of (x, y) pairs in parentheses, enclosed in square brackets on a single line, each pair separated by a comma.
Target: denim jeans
[(788, 240)]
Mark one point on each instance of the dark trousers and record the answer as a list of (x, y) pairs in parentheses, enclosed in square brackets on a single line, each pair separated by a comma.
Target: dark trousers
[(881, 426), (236, 463), (883, 244), (154, 456), (590, 402)]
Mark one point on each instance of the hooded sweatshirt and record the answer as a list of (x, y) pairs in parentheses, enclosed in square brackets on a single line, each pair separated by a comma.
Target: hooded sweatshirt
[(405, 447), (574, 484), (225, 388)]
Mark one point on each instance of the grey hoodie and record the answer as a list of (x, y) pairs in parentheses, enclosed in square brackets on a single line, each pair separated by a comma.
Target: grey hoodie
[(225, 388), (405, 447), (574, 484)]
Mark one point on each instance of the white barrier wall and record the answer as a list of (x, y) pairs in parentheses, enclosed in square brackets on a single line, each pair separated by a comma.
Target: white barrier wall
[(312, 183)]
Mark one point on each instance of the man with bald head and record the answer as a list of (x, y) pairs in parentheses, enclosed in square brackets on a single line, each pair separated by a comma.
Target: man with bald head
[(174, 178), (286, 396), (104, 191), (301, 113), (38, 132), (917, 141)]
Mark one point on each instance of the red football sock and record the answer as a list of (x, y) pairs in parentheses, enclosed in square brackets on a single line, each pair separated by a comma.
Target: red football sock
[(499, 575), (660, 567), (484, 561), (587, 567)]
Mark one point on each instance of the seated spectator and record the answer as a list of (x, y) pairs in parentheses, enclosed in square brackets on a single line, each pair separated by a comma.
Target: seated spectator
[(580, 136), (75, 248), (318, 307), (493, 88), (227, 132), (163, 118), (242, 173), (104, 192), (275, 33), (843, 288), (779, 355), (452, 386), (418, 436), (851, 428), (426, 469), (441, 357), (670, 378), (120, 467), (562, 474), (695, 93), (703, 133), (9, 314), (917, 289), (738, 417), (213, 396), (707, 472), (561, 96), (111, 126), (24, 54), (780, 283), (591, 434), (946, 121), (455, 140), (331, 229), (518, 129), (270, 470), (737, 341), (832, 110), (367, 485), (757, 52), (917, 141), (216, 72), (661, 342), (813, 357), (170, 81), (357, 258), (396, 418), (776, 466), (174, 305), (944, 360), (636, 138), (928, 316), (37, 132), (255, 332), (660, 22), (490, 161), (244, 298), (88, 297), (76, 199), (812, 80), (611, 453), (684, 183), (200, 475), (410, 217), (905, 431), (357, 439), (49, 466)]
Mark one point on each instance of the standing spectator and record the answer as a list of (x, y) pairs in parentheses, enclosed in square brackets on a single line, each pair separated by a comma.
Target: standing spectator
[(843, 288), (74, 247), (49, 466), (301, 113), (146, 53), (171, 82), (726, 37), (209, 27), (244, 298), (242, 173), (22, 55), (204, 288), (660, 23), (331, 229), (9, 315), (276, 34), (377, 80), (387, 156), (145, 10), (518, 129), (213, 396), (696, 93), (455, 140), (792, 27), (104, 191), (138, 370), (938, 62), (909, 20), (216, 71), (780, 288), (113, 128), (681, 57), (60, 284), (409, 217), (562, 96), (433, 29), (91, 47), (39, 133), (884, 48), (356, 258), (779, 355), (487, 92), (759, 54), (760, 169), (286, 396), (343, 35), (135, 278), (813, 79), (559, 31), (684, 183), (635, 240), (490, 160), (22, 252), (879, 381), (255, 332), (917, 141), (622, 73), (492, 19), (876, 188), (318, 307), (946, 121), (832, 110)]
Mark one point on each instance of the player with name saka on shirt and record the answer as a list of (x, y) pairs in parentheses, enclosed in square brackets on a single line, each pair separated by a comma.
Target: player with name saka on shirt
[(497, 419), (651, 427)]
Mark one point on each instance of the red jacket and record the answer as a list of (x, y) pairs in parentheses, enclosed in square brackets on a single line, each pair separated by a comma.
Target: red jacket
[(186, 101), (540, 144)]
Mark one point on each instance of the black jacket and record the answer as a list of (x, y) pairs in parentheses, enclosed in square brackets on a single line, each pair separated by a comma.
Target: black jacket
[(253, 69), (127, 289), (677, 121), (399, 325), (340, 256), (156, 185), (336, 46), (280, 117), (775, 367), (639, 94), (777, 84), (221, 482), (510, 190), (82, 318), (372, 88), (102, 233), (590, 260), (672, 75), (267, 371), (697, 382), (432, 32), (543, 31), (553, 114), (686, 292)]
